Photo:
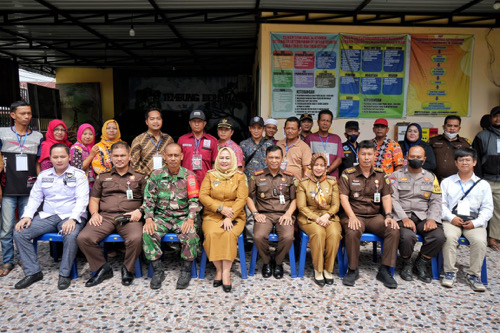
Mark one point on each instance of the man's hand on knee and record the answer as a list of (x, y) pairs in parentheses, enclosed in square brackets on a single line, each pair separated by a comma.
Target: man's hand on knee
[(24, 223), (187, 226)]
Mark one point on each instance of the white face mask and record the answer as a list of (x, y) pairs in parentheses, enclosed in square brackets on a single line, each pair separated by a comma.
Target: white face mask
[(450, 135)]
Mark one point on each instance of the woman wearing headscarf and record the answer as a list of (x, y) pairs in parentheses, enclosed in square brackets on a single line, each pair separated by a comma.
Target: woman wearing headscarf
[(318, 202), (223, 193), (110, 135), (57, 132), (81, 152), (413, 137)]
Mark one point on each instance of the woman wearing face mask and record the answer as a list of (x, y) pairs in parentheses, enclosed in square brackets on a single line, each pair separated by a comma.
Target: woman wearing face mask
[(110, 134), (413, 137), (318, 202), (57, 132), (82, 152), (223, 193)]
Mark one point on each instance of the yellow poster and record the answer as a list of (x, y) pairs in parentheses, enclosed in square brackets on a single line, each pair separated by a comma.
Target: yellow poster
[(440, 75)]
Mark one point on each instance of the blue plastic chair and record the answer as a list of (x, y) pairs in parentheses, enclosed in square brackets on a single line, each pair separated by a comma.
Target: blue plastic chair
[(53, 237), (291, 255), (173, 238), (116, 238), (304, 239), (243, 262), (365, 237)]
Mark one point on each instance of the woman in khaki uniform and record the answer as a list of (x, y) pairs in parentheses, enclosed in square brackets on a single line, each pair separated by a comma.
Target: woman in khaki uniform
[(223, 193), (318, 202)]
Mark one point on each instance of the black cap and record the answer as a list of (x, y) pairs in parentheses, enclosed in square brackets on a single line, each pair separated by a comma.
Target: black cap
[(224, 123), (306, 116), (351, 124), (197, 114), (256, 120)]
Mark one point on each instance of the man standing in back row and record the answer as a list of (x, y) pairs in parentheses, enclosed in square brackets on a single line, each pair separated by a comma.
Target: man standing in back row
[(297, 154), (389, 155), (147, 148), (444, 146), (198, 148)]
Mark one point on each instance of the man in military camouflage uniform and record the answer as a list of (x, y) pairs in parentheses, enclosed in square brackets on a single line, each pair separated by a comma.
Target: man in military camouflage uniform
[(171, 205)]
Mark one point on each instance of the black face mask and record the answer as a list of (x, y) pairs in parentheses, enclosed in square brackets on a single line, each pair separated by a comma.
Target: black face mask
[(415, 164), (352, 138)]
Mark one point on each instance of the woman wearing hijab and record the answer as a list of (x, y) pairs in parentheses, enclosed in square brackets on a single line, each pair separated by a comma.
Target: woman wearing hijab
[(110, 135), (318, 202), (82, 154), (57, 132), (413, 137), (223, 193)]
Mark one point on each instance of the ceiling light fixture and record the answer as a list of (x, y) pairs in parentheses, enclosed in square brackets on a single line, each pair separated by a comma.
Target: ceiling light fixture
[(496, 5)]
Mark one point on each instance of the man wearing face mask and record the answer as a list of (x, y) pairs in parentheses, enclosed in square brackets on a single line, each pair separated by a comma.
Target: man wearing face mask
[(487, 145), (350, 146), (444, 146), (416, 205)]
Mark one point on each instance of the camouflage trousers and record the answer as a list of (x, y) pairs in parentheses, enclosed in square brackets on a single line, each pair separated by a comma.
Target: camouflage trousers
[(190, 241)]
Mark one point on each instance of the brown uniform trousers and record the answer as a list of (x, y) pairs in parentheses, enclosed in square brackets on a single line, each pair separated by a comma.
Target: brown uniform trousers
[(261, 237)]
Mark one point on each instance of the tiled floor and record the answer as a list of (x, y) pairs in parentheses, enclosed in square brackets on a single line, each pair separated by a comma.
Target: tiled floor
[(255, 305)]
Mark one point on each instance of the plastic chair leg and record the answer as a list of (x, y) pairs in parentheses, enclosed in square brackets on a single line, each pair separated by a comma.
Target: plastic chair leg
[(203, 264), (253, 261), (194, 271), (304, 239), (138, 268), (291, 255), (340, 260), (484, 273), (243, 261), (435, 267)]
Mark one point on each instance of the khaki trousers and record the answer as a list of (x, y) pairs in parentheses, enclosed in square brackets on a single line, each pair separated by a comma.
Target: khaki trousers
[(494, 224), (324, 244), (477, 239)]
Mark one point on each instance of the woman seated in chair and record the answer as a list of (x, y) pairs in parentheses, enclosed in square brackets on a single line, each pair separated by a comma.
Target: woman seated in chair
[(223, 193), (318, 202)]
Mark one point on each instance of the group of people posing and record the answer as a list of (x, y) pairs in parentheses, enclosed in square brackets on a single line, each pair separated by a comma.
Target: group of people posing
[(214, 189)]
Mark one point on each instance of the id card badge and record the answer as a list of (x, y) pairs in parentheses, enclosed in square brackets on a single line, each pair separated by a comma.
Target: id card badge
[(327, 159), (463, 207), (376, 197), (282, 199), (283, 165), (498, 146), (130, 194), (196, 161), (157, 162), (21, 162)]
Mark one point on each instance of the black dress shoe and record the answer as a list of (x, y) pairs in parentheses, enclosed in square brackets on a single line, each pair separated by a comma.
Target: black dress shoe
[(384, 276), (278, 271), (320, 283), (64, 282), (227, 289), (351, 276), (127, 277), (29, 280), (217, 283), (103, 273), (266, 271)]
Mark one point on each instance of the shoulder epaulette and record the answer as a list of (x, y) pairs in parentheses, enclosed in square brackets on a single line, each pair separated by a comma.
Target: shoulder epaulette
[(350, 170), (288, 173), (258, 172), (468, 141), (377, 169)]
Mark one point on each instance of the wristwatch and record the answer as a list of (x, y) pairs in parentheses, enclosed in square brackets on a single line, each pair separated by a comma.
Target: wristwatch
[(389, 215), (255, 213), (219, 209), (141, 210)]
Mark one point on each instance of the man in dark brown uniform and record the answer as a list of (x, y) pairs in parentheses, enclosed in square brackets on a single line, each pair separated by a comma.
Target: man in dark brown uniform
[(444, 146), (116, 192), (365, 194), (271, 200)]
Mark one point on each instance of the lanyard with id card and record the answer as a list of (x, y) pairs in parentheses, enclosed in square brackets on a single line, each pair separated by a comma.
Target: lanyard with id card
[(376, 195), (21, 159), (197, 158), (157, 159), (130, 194)]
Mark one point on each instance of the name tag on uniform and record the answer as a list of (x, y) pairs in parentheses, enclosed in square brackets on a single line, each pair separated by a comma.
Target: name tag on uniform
[(157, 162), (130, 194), (463, 207), (21, 162), (206, 143), (376, 197)]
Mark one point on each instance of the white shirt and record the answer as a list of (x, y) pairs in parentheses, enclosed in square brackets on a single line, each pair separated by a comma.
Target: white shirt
[(66, 195), (480, 198)]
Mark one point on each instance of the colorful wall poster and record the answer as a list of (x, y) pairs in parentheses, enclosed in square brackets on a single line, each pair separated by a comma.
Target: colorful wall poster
[(440, 75), (304, 74), (373, 76)]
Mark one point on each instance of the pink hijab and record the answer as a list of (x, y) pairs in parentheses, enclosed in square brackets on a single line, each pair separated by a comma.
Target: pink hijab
[(50, 140), (79, 134)]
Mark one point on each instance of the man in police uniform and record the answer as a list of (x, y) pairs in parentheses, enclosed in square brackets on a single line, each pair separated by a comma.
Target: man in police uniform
[(64, 191), (117, 192), (444, 146), (350, 146), (416, 204), (271, 200), (365, 194)]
